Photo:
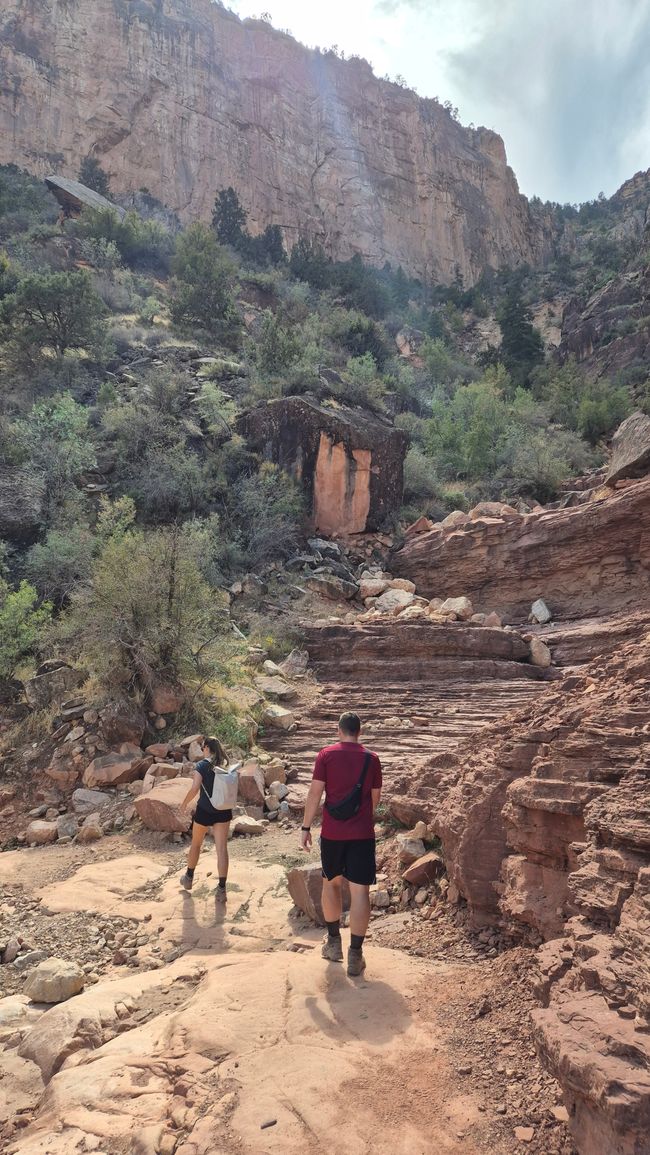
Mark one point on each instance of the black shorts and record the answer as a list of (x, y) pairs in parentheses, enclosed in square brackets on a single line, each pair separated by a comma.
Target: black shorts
[(211, 817), (354, 858)]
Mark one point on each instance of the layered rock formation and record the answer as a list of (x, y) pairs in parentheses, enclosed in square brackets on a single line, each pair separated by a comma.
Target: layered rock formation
[(349, 463), (591, 559), (545, 825), (182, 97)]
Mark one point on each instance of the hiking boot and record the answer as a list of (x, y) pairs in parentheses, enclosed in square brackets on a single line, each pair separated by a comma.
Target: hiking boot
[(220, 894), (187, 880), (333, 949), (356, 962)]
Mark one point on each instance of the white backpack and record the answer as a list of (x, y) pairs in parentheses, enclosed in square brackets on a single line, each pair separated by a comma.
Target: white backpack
[(225, 787)]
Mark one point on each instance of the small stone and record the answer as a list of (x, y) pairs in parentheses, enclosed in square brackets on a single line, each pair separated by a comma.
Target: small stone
[(540, 655), (268, 1123), (560, 1114), (540, 612), (525, 1134), (461, 607)]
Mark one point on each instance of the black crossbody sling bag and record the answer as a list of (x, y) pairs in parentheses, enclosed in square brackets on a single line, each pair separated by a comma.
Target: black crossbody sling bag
[(350, 806)]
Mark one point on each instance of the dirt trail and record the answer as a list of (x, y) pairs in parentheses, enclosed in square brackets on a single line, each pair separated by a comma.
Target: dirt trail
[(247, 1025)]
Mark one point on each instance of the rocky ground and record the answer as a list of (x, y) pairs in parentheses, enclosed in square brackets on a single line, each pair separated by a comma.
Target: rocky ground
[(199, 1026)]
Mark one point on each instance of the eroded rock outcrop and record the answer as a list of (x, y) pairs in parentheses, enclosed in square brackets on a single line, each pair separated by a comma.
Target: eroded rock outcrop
[(182, 97), (591, 559), (545, 825), (349, 463)]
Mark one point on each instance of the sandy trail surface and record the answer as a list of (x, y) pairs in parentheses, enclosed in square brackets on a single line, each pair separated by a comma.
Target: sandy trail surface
[(231, 1034)]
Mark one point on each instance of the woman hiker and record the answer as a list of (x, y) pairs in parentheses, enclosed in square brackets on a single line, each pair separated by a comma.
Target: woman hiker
[(206, 816)]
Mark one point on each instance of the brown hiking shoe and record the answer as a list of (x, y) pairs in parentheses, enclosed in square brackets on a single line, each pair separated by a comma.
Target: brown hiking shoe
[(356, 962), (333, 949)]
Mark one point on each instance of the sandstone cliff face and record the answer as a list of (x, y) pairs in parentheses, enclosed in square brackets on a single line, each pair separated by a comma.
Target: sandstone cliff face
[(181, 97), (591, 559)]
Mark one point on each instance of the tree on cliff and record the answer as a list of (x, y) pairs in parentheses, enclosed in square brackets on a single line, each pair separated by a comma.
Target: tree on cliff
[(229, 219), (522, 347), (93, 176)]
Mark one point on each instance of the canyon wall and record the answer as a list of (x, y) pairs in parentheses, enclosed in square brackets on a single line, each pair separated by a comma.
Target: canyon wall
[(589, 559), (183, 98)]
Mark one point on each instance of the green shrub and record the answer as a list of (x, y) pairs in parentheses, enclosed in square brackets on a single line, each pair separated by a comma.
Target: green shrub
[(22, 621), (146, 614), (55, 311), (57, 565), (203, 281), (55, 441), (267, 508)]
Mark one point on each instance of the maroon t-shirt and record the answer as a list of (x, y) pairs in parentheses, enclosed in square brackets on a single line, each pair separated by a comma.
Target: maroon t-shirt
[(339, 767)]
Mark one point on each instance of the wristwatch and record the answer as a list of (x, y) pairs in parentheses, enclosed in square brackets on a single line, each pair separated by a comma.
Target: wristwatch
[(306, 829)]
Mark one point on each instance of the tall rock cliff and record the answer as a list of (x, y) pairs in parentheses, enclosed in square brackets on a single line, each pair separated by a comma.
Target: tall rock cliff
[(183, 98)]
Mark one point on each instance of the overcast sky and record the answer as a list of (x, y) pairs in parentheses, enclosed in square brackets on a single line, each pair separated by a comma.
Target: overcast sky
[(565, 82)]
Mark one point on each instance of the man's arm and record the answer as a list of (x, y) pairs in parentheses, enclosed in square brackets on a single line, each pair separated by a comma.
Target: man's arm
[(311, 809), (376, 798)]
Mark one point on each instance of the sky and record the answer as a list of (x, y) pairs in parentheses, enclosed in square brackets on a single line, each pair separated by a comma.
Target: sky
[(565, 82)]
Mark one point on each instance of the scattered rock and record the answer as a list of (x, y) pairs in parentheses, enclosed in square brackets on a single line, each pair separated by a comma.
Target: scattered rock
[(166, 699), (40, 833), (331, 587), (409, 848), (540, 655), (244, 824), (423, 870), (540, 613), (251, 783), (393, 600), (305, 885), (122, 721), (276, 689), (116, 769), (87, 801), (277, 717), (160, 808), (54, 981), (630, 449), (461, 607)]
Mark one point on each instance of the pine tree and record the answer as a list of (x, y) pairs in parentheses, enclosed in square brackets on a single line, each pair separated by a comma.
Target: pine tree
[(93, 176), (522, 347), (229, 219)]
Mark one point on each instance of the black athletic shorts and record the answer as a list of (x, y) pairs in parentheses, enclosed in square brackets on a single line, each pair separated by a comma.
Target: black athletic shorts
[(211, 817), (354, 858)]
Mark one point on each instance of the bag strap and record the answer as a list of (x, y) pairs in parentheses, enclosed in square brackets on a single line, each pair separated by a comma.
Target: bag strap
[(366, 763)]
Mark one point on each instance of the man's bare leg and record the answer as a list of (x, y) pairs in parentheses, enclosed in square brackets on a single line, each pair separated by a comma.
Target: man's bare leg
[(359, 919), (332, 902)]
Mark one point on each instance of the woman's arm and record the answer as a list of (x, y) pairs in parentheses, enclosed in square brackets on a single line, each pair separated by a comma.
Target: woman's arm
[(193, 791)]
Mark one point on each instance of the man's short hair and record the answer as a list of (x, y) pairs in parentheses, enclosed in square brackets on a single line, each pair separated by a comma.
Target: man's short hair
[(350, 723)]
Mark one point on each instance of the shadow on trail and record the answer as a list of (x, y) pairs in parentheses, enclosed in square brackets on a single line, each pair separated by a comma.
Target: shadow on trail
[(366, 1009)]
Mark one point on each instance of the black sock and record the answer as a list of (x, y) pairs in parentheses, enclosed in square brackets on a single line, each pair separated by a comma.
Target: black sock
[(356, 941), (222, 883), (190, 871), (334, 928)]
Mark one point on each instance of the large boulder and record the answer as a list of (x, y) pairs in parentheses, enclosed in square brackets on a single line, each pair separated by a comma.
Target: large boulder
[(394, 600), (461, 607), (87, 801), (630, 449), (305, 885), (116, 769), (331, 587), (54, 980), (251, 784), (52, 686), (166, 699), (277, 718), (21, 505), (160, 809), (424, 869), (275, 688), (40, 833), (122, 722)]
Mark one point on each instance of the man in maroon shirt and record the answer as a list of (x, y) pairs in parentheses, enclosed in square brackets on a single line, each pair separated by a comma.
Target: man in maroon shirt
[(347, 846)]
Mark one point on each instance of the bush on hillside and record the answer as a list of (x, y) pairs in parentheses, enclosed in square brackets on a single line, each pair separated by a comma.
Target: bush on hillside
[(52, 312), (22, 621), (170, 626), (203, 283)]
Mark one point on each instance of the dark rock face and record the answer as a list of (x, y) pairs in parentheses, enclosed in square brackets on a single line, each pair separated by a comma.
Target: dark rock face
[(350, 464), (630, 449), (21, 506)]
